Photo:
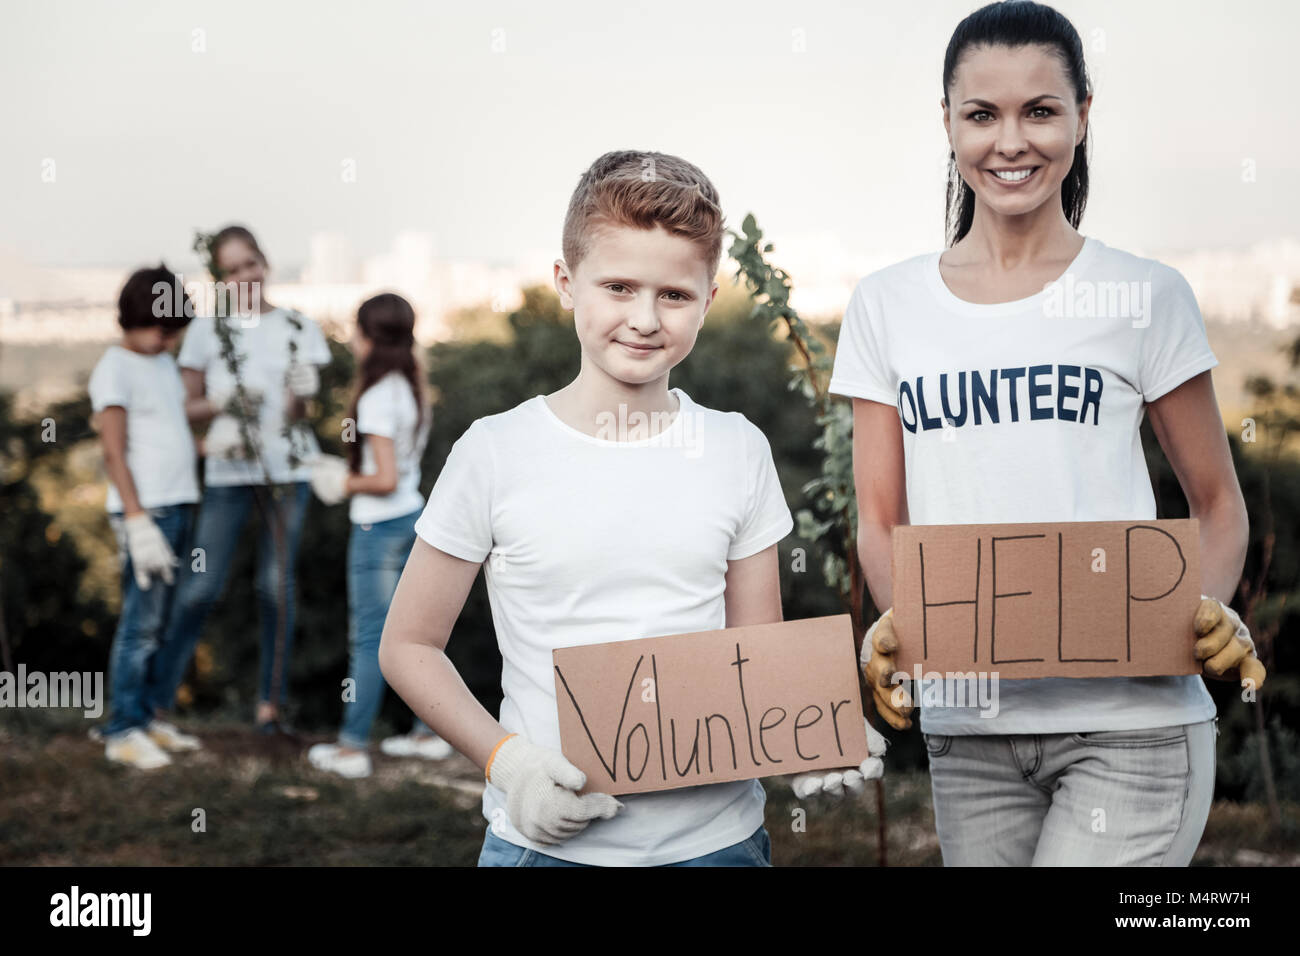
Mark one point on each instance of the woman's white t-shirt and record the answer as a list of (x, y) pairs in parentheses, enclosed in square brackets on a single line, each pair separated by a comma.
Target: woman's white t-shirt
[(159, 448), (1028, 411), (388, 409), (262, 344), (588, 540)]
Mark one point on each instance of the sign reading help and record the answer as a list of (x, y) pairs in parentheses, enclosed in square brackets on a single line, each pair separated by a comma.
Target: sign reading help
[(732, 704), (1074, 599)]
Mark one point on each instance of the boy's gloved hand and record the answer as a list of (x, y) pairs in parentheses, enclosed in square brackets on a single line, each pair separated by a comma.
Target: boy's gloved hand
[(1225, 645), (303, 379), (150, 553), (893, 702), (329, 475), (541, 791), (854, 779)]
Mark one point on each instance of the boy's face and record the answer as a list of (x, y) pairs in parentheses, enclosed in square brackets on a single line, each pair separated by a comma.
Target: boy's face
[(151, 340), (638, 298)]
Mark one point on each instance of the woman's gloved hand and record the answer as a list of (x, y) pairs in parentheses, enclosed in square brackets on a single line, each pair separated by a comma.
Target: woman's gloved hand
[(541, 791), (224, 439), (893, 702), (303, 379), (1224, 644)]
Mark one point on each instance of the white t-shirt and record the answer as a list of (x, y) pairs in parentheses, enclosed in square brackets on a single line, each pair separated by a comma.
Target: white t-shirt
[(590, 540), (388, 409), (159, 448), (263, 348), (1044, 397)]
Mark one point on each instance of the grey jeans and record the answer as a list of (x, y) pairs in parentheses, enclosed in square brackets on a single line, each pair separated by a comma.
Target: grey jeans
[(1106, 798)]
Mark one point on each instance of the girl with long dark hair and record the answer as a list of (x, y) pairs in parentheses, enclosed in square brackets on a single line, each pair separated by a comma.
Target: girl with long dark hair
[(390, 416)]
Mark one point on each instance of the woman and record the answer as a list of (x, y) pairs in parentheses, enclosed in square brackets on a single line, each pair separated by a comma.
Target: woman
[(258, 366), (1025, 785), (382, 476)]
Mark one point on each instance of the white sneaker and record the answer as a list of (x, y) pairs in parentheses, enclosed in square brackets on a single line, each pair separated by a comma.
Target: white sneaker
[(167, 737), (328, 757), (135, 749), (428, 746)]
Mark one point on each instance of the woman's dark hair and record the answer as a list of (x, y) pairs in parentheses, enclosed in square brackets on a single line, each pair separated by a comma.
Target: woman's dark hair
[(1017, 23), (142, 303), (224, 235), (388, 321)]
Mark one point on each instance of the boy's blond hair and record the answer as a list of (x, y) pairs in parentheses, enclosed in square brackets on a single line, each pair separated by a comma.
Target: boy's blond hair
[(644, 189)]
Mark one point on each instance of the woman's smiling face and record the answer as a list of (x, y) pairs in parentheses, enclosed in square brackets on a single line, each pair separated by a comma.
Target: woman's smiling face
[(1012, 110)]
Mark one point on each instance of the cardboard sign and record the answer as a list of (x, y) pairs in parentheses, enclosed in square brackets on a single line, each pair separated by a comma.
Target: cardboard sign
[(1072, 599), (733, 704)]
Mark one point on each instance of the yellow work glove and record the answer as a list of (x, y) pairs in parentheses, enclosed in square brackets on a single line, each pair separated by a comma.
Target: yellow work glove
[(1224, 645), (893, 702)]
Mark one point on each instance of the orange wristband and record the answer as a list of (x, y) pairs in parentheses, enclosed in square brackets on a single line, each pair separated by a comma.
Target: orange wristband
[(487, 771)]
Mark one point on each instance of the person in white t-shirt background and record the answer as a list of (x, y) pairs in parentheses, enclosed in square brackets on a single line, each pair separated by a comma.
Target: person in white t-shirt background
[(391, 418), (986, 392), (138, 400), (278, 353), (589, 533)]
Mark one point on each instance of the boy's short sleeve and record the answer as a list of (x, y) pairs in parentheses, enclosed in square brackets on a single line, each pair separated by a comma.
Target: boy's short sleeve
[(860, 369), (109, 383), (767, 517), (199, 348), (457, 518), (1174, 346), (377, 410)]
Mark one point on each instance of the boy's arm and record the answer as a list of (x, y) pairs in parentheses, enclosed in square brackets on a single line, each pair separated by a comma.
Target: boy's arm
[(429, 598), (753, 589), (112, 435)]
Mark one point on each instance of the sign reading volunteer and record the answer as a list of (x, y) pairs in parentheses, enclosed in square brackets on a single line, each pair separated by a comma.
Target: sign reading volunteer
[(731, 704), (1064, 599)]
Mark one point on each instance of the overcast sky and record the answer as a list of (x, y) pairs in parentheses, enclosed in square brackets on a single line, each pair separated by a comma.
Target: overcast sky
[(472, 121)]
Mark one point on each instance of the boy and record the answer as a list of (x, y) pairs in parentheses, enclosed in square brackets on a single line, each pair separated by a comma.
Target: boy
[(136, 392), (594, 531)]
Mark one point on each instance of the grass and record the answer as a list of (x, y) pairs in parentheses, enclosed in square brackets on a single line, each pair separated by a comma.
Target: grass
[(247, 800)]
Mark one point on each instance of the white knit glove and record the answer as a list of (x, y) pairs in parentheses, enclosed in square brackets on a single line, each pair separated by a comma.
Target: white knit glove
[(223, 439), (150, 553), (303, 380), (854, 779), (329, 475), (541, 791)]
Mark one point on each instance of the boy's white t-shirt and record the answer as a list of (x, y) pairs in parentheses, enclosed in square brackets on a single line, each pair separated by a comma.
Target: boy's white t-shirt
[(388, 409), (159, 448), (588, 540), (1045, 396), (262, 344)]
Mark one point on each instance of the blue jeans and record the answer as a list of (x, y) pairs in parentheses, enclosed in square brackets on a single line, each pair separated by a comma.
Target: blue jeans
[(221, 519), (142, 622), (1103, 798), (756, 850), (377, 554)]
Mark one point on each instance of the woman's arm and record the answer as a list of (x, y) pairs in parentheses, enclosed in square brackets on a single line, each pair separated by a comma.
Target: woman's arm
[(1190, 429), (112, 435), (753, 589), (384, 480), (198, 409), (412, 657), (881, 486)]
